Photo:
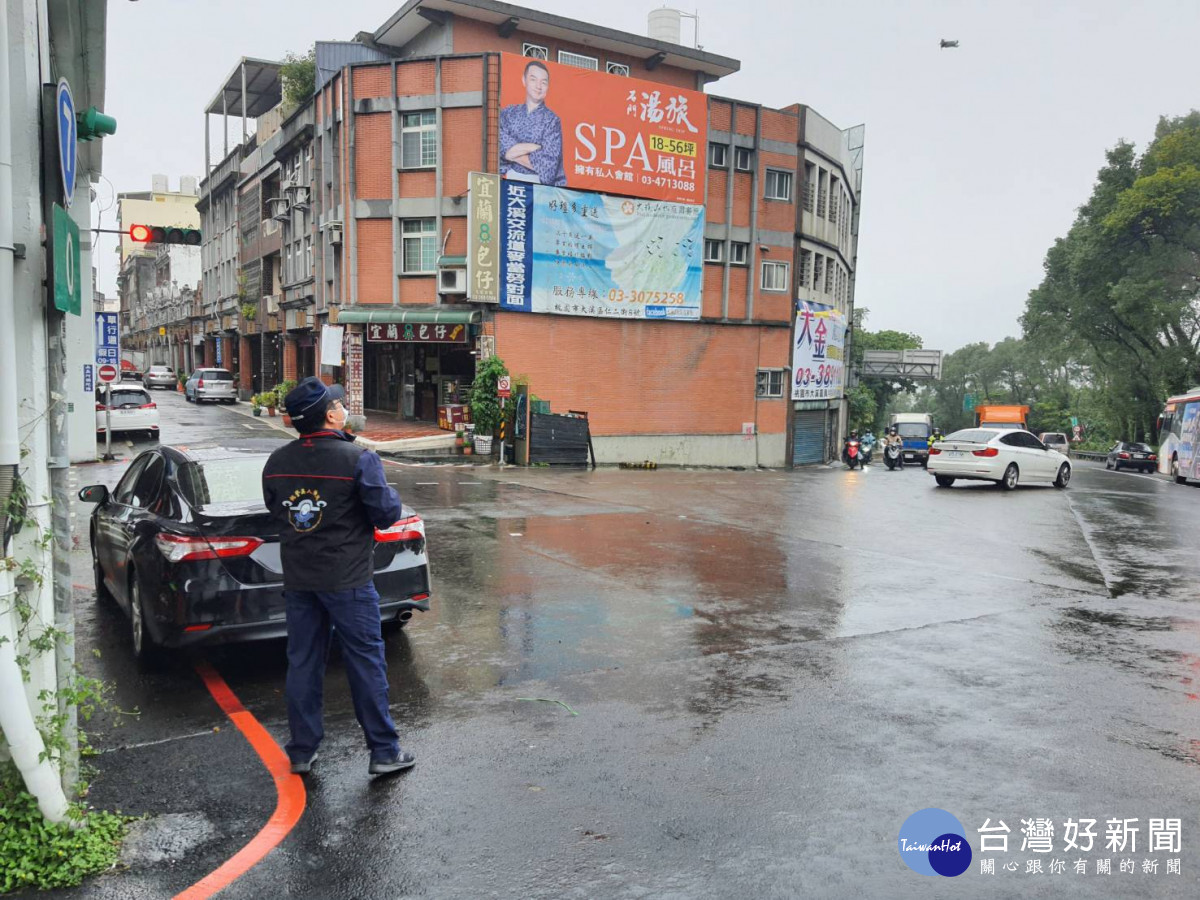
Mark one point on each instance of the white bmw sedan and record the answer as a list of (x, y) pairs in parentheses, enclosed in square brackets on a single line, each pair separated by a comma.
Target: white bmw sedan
[(992, 454)]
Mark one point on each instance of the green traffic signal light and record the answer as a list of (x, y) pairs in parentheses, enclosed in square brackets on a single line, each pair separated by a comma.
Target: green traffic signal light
[(91, 124)]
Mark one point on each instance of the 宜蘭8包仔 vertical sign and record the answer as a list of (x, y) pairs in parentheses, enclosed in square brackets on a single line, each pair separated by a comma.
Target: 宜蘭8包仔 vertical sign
[(818, 352), (483, 238), (563, 126)]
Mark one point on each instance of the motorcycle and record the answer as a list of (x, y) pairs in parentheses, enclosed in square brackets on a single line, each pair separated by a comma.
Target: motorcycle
[(891, 455), (850, 455), (866, 450)]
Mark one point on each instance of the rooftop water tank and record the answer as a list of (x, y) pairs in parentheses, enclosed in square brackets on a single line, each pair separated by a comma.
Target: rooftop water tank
[(664, 25)]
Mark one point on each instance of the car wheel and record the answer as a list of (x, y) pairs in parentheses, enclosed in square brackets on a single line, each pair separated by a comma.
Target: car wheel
[(944, 480), (1011, 477), (1064, 476), (143, 644), (1108, 463), (153, 435)]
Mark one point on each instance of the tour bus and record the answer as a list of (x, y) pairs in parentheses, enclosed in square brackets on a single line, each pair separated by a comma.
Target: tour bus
[(1178, 425)]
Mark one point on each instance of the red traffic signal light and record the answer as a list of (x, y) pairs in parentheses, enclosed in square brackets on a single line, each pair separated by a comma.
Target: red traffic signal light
[(158, 234)]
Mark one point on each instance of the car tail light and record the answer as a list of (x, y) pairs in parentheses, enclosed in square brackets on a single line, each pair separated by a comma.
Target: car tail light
[(986, 451), (409, 529), (186, 548), (418, 598), (1122, 456), (1151, 456), (148, 406), (99, 407), (934, 451), (200, 383)]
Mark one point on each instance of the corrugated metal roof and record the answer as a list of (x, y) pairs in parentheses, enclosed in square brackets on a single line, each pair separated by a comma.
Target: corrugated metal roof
[(333, 56)]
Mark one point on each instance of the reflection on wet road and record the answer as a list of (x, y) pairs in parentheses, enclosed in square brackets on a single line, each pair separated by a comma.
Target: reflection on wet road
[(772, 670)]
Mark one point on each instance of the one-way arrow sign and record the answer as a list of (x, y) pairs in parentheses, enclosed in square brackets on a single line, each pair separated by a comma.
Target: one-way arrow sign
[(67, 139)]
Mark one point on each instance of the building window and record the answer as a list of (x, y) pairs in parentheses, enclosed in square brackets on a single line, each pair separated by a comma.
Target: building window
[(805, 268), (835, 200), (818, 271), (713, 250), (578, 60), (420, 246), (535, 51), (738, 253), (778, 185), (822, 191), (418, 140), (718, 155), (768, 383), (743, 159), (774, 276), (809, 196), (616, 68), (829, 270)]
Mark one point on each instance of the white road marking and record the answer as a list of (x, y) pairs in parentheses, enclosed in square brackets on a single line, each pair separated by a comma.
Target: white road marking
[(426, 484), (249, 425), (471, 483)]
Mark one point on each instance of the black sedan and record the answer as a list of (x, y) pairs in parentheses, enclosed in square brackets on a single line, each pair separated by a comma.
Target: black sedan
[(1131, 455), (186, 546)]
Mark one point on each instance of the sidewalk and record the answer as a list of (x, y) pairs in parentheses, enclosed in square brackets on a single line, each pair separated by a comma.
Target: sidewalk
[(383, 434)]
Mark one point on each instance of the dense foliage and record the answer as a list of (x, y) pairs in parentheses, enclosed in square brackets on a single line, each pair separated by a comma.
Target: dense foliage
[(1114, 327)]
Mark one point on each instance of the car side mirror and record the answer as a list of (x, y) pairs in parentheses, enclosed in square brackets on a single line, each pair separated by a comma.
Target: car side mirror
[(94, 493)]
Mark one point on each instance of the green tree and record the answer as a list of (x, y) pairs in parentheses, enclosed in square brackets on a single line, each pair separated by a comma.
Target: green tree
[(299, 74), (871, 400)]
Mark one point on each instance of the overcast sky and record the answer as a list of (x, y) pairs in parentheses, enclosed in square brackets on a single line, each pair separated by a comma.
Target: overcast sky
[(975, 158)]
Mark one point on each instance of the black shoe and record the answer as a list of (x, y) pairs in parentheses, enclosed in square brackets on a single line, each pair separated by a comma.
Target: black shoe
[(389, 765), (303, 767)]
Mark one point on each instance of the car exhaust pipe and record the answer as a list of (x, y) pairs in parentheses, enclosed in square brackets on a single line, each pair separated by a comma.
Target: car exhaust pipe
[(404, 616)]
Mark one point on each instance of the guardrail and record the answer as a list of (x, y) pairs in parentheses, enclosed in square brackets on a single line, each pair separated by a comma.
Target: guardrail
[(1088, 454)]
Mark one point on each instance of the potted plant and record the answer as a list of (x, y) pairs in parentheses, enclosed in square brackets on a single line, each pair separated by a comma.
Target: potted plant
[(268, 400), (282, 390), (256, 405), (485, 405)]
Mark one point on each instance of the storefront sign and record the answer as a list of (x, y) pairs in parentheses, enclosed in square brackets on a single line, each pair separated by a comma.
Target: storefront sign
[(414, 333), (564, 126), (331, 345), (483, 238), (818, 352), (582, 254), (354, 372)]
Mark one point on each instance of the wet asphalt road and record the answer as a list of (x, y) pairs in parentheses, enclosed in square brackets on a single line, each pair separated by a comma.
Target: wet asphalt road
[(771, 672)]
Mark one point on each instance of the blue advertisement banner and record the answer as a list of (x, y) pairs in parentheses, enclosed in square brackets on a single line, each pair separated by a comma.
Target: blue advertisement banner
[(574, 253)]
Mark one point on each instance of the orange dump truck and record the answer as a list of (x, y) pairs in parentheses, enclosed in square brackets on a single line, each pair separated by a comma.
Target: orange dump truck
[(1001, 416)]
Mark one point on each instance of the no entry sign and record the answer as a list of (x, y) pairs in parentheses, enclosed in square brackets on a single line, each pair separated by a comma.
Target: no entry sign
[(106, 373)]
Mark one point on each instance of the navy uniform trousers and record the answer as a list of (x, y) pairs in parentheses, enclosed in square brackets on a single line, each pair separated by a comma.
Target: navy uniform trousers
[(311, 616)]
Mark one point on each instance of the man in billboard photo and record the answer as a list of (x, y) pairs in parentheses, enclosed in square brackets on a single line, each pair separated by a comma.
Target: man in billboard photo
[(531, 135)]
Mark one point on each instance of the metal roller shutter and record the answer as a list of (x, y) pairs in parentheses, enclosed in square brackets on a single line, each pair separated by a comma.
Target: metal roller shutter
[(808, 437)]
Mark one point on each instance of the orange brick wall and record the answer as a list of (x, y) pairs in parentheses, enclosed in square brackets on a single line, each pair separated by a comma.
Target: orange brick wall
[(416, 78), (641, 377), (481, 37), (778, 126), (373, 156), (711, 301), (741, 199), (416, 184), (745, 120), (374, 261), (715, 211), (456, 245), (372, 81), (720, 114), (737, 292), (462, 75), (462, 148), (418, 289)]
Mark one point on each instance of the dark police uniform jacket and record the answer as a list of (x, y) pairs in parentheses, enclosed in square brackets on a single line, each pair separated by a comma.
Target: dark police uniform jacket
[(328, 496)]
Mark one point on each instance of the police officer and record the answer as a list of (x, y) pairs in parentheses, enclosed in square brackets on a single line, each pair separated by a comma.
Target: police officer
[(328, 496)]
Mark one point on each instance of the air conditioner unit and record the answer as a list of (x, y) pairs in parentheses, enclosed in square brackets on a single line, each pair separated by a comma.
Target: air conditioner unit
[(297, 195), (452, 281), (334, 230), (279, 208), (272, 303)]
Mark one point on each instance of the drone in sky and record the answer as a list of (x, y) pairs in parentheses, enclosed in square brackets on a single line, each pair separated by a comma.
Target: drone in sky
[(948, 45)]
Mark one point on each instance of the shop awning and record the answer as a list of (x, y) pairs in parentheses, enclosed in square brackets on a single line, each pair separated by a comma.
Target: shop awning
[(393, 315)]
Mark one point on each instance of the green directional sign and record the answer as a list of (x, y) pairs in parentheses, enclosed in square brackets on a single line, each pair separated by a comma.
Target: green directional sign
[(968, 403), (67, 277)]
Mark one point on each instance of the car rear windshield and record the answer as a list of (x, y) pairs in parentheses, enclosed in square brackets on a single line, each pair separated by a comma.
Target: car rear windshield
[(1139, 448), (221, 480), (913, 429), (160, 368), (217, 374), (122, 397), (1054, 438), (972, 436)]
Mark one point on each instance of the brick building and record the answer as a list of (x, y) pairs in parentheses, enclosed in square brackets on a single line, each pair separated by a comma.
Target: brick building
[(400, 119)]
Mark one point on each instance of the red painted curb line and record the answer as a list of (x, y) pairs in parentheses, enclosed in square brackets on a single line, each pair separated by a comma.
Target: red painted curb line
[(288, 787)]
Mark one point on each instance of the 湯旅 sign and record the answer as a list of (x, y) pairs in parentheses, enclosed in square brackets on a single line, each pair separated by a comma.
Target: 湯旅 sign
[(564, 126)]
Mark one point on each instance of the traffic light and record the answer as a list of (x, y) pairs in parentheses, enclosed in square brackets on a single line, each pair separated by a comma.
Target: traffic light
[(91, 124), (164, 234)]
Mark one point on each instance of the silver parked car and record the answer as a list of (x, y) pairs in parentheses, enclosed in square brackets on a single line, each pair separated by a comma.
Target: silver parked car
[(160, 377), (1056, 440), (210, 384)]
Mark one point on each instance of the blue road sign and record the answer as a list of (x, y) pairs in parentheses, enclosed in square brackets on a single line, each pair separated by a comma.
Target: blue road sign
[(68, 134), (88, 378), (108, 340)]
